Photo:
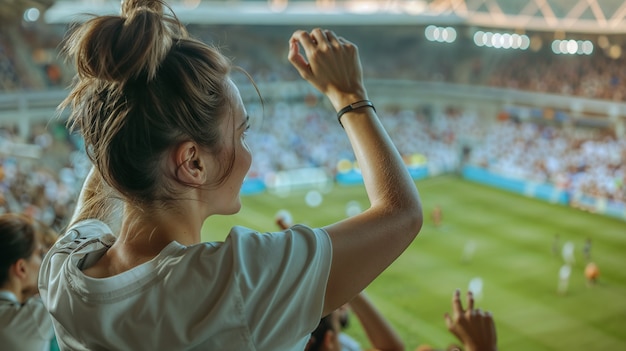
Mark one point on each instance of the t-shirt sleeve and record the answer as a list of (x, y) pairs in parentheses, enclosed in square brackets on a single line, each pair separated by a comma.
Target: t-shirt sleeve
[(85, 229), (58, 253), (282, 277)]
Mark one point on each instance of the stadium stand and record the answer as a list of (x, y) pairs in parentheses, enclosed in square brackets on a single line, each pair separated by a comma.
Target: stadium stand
[(575, 158)]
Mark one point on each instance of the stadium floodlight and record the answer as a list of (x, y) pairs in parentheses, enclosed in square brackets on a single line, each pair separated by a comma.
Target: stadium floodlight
[(440, 34), (572, 47), (501, 40)]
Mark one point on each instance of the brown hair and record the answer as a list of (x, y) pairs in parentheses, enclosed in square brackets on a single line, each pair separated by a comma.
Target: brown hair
[(144, 86), (17, 240)]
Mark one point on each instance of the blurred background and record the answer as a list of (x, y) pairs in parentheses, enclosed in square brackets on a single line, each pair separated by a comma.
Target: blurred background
[(510, 115)]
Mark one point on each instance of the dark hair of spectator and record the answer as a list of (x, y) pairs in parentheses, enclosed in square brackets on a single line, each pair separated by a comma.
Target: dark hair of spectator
[(318, 335), (17, 241)]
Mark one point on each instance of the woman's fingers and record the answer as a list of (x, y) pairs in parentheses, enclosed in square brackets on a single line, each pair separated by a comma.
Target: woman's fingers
[(330, 63), (319, 38), (332, 39), (457, 307), (295, 57)]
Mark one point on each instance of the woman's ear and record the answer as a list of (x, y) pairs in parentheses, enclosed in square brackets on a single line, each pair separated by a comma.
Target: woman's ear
[(189, 163)]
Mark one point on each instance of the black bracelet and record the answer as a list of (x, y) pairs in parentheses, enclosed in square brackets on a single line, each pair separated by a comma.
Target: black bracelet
[(354, 106)]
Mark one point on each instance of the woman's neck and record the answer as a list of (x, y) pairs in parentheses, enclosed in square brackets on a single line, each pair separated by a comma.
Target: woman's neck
[(143, 235), (156, 228)]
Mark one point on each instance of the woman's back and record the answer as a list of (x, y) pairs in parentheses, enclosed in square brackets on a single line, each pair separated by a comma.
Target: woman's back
[(210, 296)]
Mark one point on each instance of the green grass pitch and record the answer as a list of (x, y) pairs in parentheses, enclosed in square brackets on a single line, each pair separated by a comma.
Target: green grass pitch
[(513, 237)]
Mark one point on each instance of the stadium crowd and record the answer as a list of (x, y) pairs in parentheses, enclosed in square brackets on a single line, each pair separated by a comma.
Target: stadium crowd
[(596, 77), (577, 160), (45, 183), (33, 56)]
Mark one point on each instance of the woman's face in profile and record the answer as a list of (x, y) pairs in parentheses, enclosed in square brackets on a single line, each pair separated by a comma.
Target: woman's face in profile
[(233, 127)]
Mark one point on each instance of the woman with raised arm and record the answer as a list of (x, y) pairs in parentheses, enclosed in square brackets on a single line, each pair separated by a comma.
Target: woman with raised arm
[(164, 126)]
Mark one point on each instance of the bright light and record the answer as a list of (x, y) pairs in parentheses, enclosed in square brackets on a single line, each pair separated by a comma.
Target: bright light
[(556, 47), (450, 34), (487, 37), (479, 38), (362, 7), (414, 7), (31, 15), (563, 46), (437, 34), (429, 32), (507, 41), (572, 47), (587, 47), (496, 40), (440, 34), (525, 42), (501, 40)]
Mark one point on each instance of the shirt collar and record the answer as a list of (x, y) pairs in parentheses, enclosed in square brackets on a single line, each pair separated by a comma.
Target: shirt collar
[(8, 296)]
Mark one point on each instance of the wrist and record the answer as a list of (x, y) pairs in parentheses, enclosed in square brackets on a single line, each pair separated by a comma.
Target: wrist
[(341, 100), (357, 105)]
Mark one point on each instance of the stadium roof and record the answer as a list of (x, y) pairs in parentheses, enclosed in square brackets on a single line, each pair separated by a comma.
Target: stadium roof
[(586, 16)]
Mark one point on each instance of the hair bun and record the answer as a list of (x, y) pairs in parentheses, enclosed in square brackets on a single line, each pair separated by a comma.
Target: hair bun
[(127, 47), (131, 6)]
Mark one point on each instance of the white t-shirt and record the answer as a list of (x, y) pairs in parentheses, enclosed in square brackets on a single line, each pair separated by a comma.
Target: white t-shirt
[(25, 327), (252, 292)]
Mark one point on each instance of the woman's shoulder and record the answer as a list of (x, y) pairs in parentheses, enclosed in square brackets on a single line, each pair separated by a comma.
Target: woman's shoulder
[(85, 229), (244, 234), (245, 248)]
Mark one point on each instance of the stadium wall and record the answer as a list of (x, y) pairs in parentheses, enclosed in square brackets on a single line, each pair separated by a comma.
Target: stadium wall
[(310, 178), (545, 192)]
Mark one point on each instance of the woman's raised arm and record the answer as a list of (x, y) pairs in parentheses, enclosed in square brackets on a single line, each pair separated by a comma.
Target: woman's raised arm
[(366, 244)]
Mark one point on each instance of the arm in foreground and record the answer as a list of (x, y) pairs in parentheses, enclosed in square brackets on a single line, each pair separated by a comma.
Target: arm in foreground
[(372, 240), (475, 329), (380, 333)]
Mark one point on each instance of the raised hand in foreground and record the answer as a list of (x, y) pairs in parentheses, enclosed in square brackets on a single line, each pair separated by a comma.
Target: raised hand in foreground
[(474, 328)]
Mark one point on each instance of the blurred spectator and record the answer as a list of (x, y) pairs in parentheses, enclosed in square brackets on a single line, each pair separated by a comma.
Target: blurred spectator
[(379, 332), (24, 322)]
